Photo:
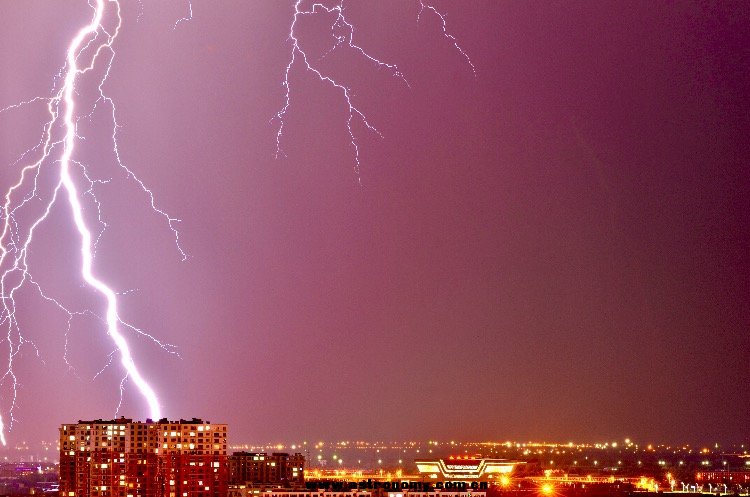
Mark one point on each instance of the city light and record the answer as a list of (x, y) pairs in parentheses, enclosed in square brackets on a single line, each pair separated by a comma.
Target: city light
[(548, 251)]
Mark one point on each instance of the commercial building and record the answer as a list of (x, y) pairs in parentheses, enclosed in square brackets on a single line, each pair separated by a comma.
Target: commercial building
[(126, 458), (258, 469), (465, 468), (723, 476), (242, 491)]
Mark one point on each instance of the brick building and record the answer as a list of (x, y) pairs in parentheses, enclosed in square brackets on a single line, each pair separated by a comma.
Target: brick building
[(278, 469), (126, 458)]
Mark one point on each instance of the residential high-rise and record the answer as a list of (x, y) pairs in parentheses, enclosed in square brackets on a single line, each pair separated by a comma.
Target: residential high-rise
[(126, 458), (278, 469)]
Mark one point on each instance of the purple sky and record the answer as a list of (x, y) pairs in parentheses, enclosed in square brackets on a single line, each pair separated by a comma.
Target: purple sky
[(556, 249)]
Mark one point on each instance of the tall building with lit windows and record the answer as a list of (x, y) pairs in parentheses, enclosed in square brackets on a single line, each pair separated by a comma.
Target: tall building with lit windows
[(126, 458)]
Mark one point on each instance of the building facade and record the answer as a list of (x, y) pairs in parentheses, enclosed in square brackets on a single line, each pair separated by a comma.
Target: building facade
[(278, 469), (126, 458), (242, 491), (723, 476), (465, 468)]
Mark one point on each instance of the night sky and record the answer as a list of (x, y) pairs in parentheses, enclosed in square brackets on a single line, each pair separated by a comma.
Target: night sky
[(555, 249)]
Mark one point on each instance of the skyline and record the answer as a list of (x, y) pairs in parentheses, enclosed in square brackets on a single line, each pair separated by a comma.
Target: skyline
[(192, 456), (424, 448), (555, 247)]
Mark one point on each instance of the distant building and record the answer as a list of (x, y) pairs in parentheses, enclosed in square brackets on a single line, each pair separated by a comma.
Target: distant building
[(278, 469), (126, 458), (242, 491), (723, 476), (465, 468)]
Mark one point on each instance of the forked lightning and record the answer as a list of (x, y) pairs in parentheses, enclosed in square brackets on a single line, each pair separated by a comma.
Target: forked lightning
[(89, 54), (342, 31), (58, 179)]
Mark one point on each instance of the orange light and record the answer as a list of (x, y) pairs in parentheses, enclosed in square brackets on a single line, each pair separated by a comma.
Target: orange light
[(547, 489)]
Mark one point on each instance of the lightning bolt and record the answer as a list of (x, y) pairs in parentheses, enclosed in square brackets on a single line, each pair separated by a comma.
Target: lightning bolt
[(444, 25), (187, 18), (342, 31), (58, 171), (57, 177)]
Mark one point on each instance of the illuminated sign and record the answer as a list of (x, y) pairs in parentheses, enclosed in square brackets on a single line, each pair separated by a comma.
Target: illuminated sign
[(465, 468)]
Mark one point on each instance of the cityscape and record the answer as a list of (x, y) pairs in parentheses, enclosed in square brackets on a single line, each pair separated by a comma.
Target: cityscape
[(171, 458), (392, 248)]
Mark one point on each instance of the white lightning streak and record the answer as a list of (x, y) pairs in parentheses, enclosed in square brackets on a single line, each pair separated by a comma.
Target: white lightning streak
[(16, 237), (298, 53), (14, 243), (185, 19), (346, 39), (446, 34)]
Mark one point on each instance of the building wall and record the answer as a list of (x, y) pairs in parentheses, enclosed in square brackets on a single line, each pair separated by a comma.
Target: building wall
[(242, 491), (122, 458), (718, 476), (259, 469)]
